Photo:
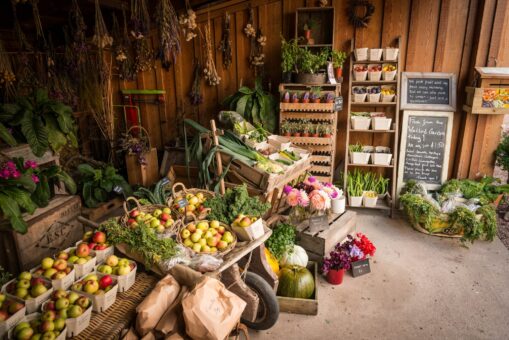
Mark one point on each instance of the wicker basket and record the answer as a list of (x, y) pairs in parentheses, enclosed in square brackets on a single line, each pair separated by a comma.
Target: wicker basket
[(180, 194), (148, 209), (220, 253)]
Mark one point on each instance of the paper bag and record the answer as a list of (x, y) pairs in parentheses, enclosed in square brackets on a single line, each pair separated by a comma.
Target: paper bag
[(211, 311), (130, 335), (185, 275), (172, 321), (149, 336), (152, 308), (175, 336)]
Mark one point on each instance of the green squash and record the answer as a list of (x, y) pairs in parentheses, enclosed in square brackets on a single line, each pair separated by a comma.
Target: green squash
[(296, 282)]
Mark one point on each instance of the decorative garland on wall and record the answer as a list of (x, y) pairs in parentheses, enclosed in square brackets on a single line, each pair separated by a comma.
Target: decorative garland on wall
[(356, 20)]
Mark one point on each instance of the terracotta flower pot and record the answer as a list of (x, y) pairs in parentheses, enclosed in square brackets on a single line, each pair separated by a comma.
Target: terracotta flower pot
[(327, 135), (307, 34), (287, 134), (286, 100), (314, 135), (295, 101), (335, 277), (305, 134), (338, 72), (316, 101), (304, 101), (296, 134)]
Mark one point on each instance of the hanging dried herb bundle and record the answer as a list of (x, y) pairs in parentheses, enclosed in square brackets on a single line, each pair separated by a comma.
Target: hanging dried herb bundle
[(76, 48), (24, 45), (250, 30), (101, 37), (7, 77), (188, 22), (226, 44), (169, 35), (122, 49), (39, 33), (210, 72), (140, 21), (195, 94), (257, 58)]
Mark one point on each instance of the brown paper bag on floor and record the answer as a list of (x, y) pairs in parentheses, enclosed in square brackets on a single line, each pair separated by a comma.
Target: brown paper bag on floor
[(130, 335), (172, 321), (185, 275), (149, 336), (175, 336), (211, 311), (153, 307)]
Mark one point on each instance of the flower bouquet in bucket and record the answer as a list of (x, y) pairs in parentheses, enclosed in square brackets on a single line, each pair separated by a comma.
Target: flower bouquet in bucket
[(310, 197)]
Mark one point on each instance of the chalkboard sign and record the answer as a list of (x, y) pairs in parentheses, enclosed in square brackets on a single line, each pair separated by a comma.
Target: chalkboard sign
[(338, 103), (425, 146), (360, 267), (428, 91)]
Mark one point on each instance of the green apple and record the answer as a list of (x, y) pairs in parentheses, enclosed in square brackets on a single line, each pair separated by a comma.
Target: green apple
[(23, 284), (73, 259), (81, 260), (211, 241), (185, 233), (205, 249), (157, 212), (202, 242), (123, 262), (227, 237), (25, 276), (21, 292), (91, 277), (74, 311), (59, 324), (214, 224), (203, 226), (62, 303), (47, 263), (197, 247), (112, 261), (213, 249), (25, 334), (155, 223), (196, 237), (160, 229), (38, 290), (188, 243), (73, 296), (48, 273), (123, 270), (105, 269)]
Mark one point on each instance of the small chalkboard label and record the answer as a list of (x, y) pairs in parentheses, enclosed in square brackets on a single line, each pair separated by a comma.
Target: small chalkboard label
[(338, 103), (165, 181), (318, 223), (428, 91), (360, 267), (182, 203), (118, 189)]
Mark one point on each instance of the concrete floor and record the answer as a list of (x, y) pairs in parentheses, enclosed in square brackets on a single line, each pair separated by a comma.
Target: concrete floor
[(420, 287)]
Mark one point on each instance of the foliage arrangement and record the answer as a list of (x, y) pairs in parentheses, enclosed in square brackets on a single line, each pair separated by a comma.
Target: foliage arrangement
[(302, 60), (141, 239), (353, 249), (502, 153), (338, 58), (282, 240), (98, 183), (309, 62), (48, 177), (289, 54), (234, 202), (137, 145), (358, 181), (486, 190), (42, 122), (159, 194), (255, 105)]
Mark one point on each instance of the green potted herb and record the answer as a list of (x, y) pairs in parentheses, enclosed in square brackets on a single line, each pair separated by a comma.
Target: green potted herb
[(309, 65), (289, 55), (315, 94), (360, 120), (326, 131), (305, 127), (314, 130), (286, 128), (338, 60), (354, 188), (358, 154), (308, 31), (296, 129)]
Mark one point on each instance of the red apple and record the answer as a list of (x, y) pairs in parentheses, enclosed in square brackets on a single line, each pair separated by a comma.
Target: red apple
[(91, 245), (3, 315), (59, 293), (131, 221), (82, 250), (62, 255), (165, 216), (14, 307), (134, 213), (36, 280), (60, 264), (105, 281), (50, 305), (101, 246), (99, 237)]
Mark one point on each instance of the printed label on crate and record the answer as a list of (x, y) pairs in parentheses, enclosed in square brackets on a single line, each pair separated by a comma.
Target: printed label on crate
[(360, 268)]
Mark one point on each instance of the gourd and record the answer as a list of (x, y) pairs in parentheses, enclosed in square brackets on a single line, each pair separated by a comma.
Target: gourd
[(272, 261), (296, 282), (296, 256)]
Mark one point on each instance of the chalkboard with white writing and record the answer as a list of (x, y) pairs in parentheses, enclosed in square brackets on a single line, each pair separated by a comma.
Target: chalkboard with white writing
[(428, 91), (425, 148)]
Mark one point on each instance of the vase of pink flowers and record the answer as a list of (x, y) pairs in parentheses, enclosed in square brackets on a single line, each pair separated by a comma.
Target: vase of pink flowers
[(310, 197)]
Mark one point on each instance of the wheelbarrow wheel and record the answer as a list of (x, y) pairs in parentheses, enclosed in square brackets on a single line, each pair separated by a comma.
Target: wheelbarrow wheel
[(268, 307)]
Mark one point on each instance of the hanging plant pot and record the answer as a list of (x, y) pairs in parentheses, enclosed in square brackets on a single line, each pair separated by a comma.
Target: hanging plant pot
[(311, 78), (335, 277)]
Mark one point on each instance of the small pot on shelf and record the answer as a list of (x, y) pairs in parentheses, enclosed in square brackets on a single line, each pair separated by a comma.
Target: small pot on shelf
[(335, 277), (315, 135), (287, 134), (305, 134), (327, 135), (296, 134), (338, 73), (316, 101)]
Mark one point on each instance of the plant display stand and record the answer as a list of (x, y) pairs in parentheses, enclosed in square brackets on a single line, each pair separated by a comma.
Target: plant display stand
[(323, 149), (371, 136)]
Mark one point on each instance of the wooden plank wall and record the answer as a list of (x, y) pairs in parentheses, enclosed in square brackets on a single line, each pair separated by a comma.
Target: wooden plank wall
[(437, 35)]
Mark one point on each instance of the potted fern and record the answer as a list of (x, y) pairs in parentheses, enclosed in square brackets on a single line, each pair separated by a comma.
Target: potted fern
[(289, 54), (286, 128)]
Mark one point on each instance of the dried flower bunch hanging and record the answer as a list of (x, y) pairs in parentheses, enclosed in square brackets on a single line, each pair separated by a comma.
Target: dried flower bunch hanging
[(169, 35), (7, 77), (250, 30), (258, 57), (101, 37), (226, 44), (188, 22), (195, 94), (210, 72), (122, 48), (140, 20)]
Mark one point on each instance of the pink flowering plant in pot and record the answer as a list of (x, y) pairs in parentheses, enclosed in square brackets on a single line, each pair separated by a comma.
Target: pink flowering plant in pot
[(310, 197), (24, 187)]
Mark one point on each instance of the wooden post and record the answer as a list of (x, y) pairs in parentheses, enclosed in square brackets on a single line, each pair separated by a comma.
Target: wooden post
[(215, 134)]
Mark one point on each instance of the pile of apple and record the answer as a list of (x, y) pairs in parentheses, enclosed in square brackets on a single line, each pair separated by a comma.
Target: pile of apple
[(244, 221), (46, 326), (91, 284), (205, 237), (159, 219), (54, 269), (115, 266), (65, 305), (95, 240), (27, 287), (194, 203), (78, 255), (8, 307)]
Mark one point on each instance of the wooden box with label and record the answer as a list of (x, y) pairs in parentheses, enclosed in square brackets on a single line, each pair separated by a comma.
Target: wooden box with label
[(50, 229)]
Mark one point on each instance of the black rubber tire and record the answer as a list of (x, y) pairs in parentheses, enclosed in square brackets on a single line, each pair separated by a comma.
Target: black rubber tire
[(268, 308)]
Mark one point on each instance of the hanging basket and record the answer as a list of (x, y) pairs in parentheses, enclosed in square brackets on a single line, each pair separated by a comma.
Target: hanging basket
[(142, 174), (177, 196)]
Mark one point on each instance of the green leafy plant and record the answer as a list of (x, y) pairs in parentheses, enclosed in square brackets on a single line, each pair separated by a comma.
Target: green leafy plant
[(4, 276), (44, 123), (255, 105), (309, 62), (338, 58), (289, 54), (355, 147), (419, 210), (282, 240), (48, 178), (354, 183), (502, 153), (97, 184), (234, 202), (159, 194)]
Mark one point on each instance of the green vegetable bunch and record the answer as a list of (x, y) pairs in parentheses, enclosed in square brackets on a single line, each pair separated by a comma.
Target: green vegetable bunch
[(159, 194), (234, 202), (142, 239), (281, 240)]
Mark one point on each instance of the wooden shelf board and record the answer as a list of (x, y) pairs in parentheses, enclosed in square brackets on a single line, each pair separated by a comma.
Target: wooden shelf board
[(308, 107), (311, 140), (371, 165), (308, 115), (380, 205), (376, 82), (315, 45), (372, 131), (375, 62), (308, 85), (374, 104), (320, 158)]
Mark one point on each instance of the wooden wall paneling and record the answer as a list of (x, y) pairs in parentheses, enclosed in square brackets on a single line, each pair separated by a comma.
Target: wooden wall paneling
[(448, 54), (422, 36), (269, 16), (191, 51), (289, 9), (244, 72), (166, 80), (209, 107), (228, 84)]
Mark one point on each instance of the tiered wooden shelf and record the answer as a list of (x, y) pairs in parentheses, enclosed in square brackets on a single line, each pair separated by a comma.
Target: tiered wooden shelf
[(323, 149), (379, 137)]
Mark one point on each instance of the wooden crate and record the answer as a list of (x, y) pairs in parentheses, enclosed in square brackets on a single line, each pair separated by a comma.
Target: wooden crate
[(474, 102), (104, 209), (145, 175), (24, 151), (320, 244), (302, 306), (50, 229), (307, 107)]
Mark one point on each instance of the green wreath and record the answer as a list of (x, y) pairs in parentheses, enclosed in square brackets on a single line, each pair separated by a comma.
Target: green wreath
[(360, 21)]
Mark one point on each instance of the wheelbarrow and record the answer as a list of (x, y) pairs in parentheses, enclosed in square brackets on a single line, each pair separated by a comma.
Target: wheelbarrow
[(246, 272)]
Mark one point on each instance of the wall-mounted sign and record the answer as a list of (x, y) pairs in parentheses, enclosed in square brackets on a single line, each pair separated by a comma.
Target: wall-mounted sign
[(425, 147), (432, 91)]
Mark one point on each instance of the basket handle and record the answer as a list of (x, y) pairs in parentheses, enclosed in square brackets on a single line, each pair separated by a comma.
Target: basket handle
[(131, 198), (176, 185), (142, 129)]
